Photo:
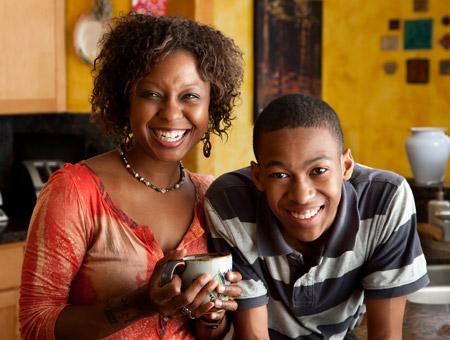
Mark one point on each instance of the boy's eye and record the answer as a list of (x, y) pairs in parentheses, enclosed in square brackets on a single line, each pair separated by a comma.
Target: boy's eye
[(318, 171), (279, 175)]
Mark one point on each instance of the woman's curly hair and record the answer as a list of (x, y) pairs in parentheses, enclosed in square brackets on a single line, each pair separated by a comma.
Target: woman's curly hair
[(136, 42)]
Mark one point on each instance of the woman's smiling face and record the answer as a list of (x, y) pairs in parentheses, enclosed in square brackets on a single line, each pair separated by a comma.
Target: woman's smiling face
[(168, 110), (301, 171)]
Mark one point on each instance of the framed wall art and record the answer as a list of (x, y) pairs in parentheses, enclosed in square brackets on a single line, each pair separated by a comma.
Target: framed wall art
[(417, 70), (288, 49)]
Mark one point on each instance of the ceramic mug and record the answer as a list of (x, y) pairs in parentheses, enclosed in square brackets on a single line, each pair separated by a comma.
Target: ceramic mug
[(217, 265)]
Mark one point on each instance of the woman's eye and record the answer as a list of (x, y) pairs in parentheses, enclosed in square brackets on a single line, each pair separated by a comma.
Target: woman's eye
[(191, 96), (150, 94), (318, 171)]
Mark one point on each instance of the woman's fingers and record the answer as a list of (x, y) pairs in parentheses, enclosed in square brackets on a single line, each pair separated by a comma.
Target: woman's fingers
[(234, 277), (215, 315), (232, 291), (161, 297), (228, 305), (172, 255), (170, 290), (202, 309), (196, 294)]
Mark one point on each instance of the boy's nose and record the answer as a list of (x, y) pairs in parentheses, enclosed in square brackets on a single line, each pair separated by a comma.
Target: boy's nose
[(301, 191), (170, 110)]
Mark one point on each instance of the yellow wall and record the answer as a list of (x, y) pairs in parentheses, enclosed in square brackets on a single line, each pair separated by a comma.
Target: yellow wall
[(377, 109), (235, 19)]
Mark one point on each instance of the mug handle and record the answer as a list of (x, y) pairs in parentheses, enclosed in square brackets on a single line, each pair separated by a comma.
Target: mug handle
[(169, 269)]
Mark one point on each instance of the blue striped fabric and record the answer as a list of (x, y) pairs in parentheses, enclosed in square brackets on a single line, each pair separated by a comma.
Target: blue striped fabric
[(373, 250)]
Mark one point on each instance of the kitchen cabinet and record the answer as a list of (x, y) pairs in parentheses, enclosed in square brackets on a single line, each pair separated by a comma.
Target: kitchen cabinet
[(11, 258), (32, 56)]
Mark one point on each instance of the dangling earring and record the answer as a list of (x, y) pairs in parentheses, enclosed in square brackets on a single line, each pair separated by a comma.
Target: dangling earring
[(206, 145), (127, 137)]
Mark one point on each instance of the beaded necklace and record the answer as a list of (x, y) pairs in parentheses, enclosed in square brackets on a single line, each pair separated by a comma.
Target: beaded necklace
[(147, 183)]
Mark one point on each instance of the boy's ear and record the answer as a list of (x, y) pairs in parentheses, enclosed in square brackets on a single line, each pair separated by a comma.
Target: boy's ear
[(348, 163), (256, 175)]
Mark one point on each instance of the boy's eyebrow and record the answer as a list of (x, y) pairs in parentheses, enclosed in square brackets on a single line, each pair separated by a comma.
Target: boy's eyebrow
[(318, 158), (275, 163), (308, 162)]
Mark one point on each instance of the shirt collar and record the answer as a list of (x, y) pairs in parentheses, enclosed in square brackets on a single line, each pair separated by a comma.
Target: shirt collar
[(346, 224), (268, 234)]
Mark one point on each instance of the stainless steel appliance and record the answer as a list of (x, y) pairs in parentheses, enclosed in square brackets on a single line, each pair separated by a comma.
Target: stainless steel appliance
[(29, 177), (40, 171), (3, 218), (34, 157)]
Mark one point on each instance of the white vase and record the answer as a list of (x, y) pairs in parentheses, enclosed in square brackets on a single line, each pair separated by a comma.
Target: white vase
[(428, 150)]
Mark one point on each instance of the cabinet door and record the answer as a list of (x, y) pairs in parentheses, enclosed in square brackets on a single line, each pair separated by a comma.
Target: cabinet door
[(9, 315), (11, 258), (32, 58)]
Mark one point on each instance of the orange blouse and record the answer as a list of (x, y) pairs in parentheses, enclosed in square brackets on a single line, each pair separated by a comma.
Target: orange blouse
[(82, 249)]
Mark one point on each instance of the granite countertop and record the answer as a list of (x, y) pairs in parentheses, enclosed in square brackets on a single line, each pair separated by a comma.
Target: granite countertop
[(421, 322), (15, 231)]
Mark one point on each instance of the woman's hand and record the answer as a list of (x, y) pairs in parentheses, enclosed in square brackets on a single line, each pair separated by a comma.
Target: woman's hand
[(232, 291), (168, 300)]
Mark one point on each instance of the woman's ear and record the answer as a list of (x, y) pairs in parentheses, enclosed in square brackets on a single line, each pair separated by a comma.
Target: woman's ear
[(348, 163), (256, 175)]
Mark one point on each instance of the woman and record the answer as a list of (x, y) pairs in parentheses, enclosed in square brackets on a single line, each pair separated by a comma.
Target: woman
[(103, 229)]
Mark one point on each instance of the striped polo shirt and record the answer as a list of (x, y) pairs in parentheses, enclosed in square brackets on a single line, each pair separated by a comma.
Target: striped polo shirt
[(372, 251)]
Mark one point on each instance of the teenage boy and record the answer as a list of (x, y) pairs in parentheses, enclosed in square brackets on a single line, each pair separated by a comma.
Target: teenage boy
[(319, 239)]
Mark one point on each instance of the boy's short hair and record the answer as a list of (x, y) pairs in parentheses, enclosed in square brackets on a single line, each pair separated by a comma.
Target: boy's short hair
[(297, 110)]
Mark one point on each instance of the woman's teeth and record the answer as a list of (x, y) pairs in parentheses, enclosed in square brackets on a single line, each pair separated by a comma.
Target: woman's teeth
[(170, 136), (303, 215)]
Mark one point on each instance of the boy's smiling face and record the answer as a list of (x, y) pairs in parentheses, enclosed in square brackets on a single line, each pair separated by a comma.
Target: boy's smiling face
[(301, 170)]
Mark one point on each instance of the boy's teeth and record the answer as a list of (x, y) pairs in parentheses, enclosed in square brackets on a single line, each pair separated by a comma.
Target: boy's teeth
[(305, 214), (170, 136)]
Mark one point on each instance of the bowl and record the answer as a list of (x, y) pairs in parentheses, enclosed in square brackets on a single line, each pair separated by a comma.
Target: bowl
[(438, 290)]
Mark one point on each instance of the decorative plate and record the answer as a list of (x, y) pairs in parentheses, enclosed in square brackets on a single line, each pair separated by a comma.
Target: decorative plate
[(86, 35)]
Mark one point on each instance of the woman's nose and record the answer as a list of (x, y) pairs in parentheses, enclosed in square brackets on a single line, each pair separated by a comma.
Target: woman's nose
[(301, 191), (170, 110)]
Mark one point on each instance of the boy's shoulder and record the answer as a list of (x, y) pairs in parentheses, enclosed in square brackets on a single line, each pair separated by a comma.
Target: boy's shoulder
[(234, 195), (377, 191), (240, 179), (366, 175)]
